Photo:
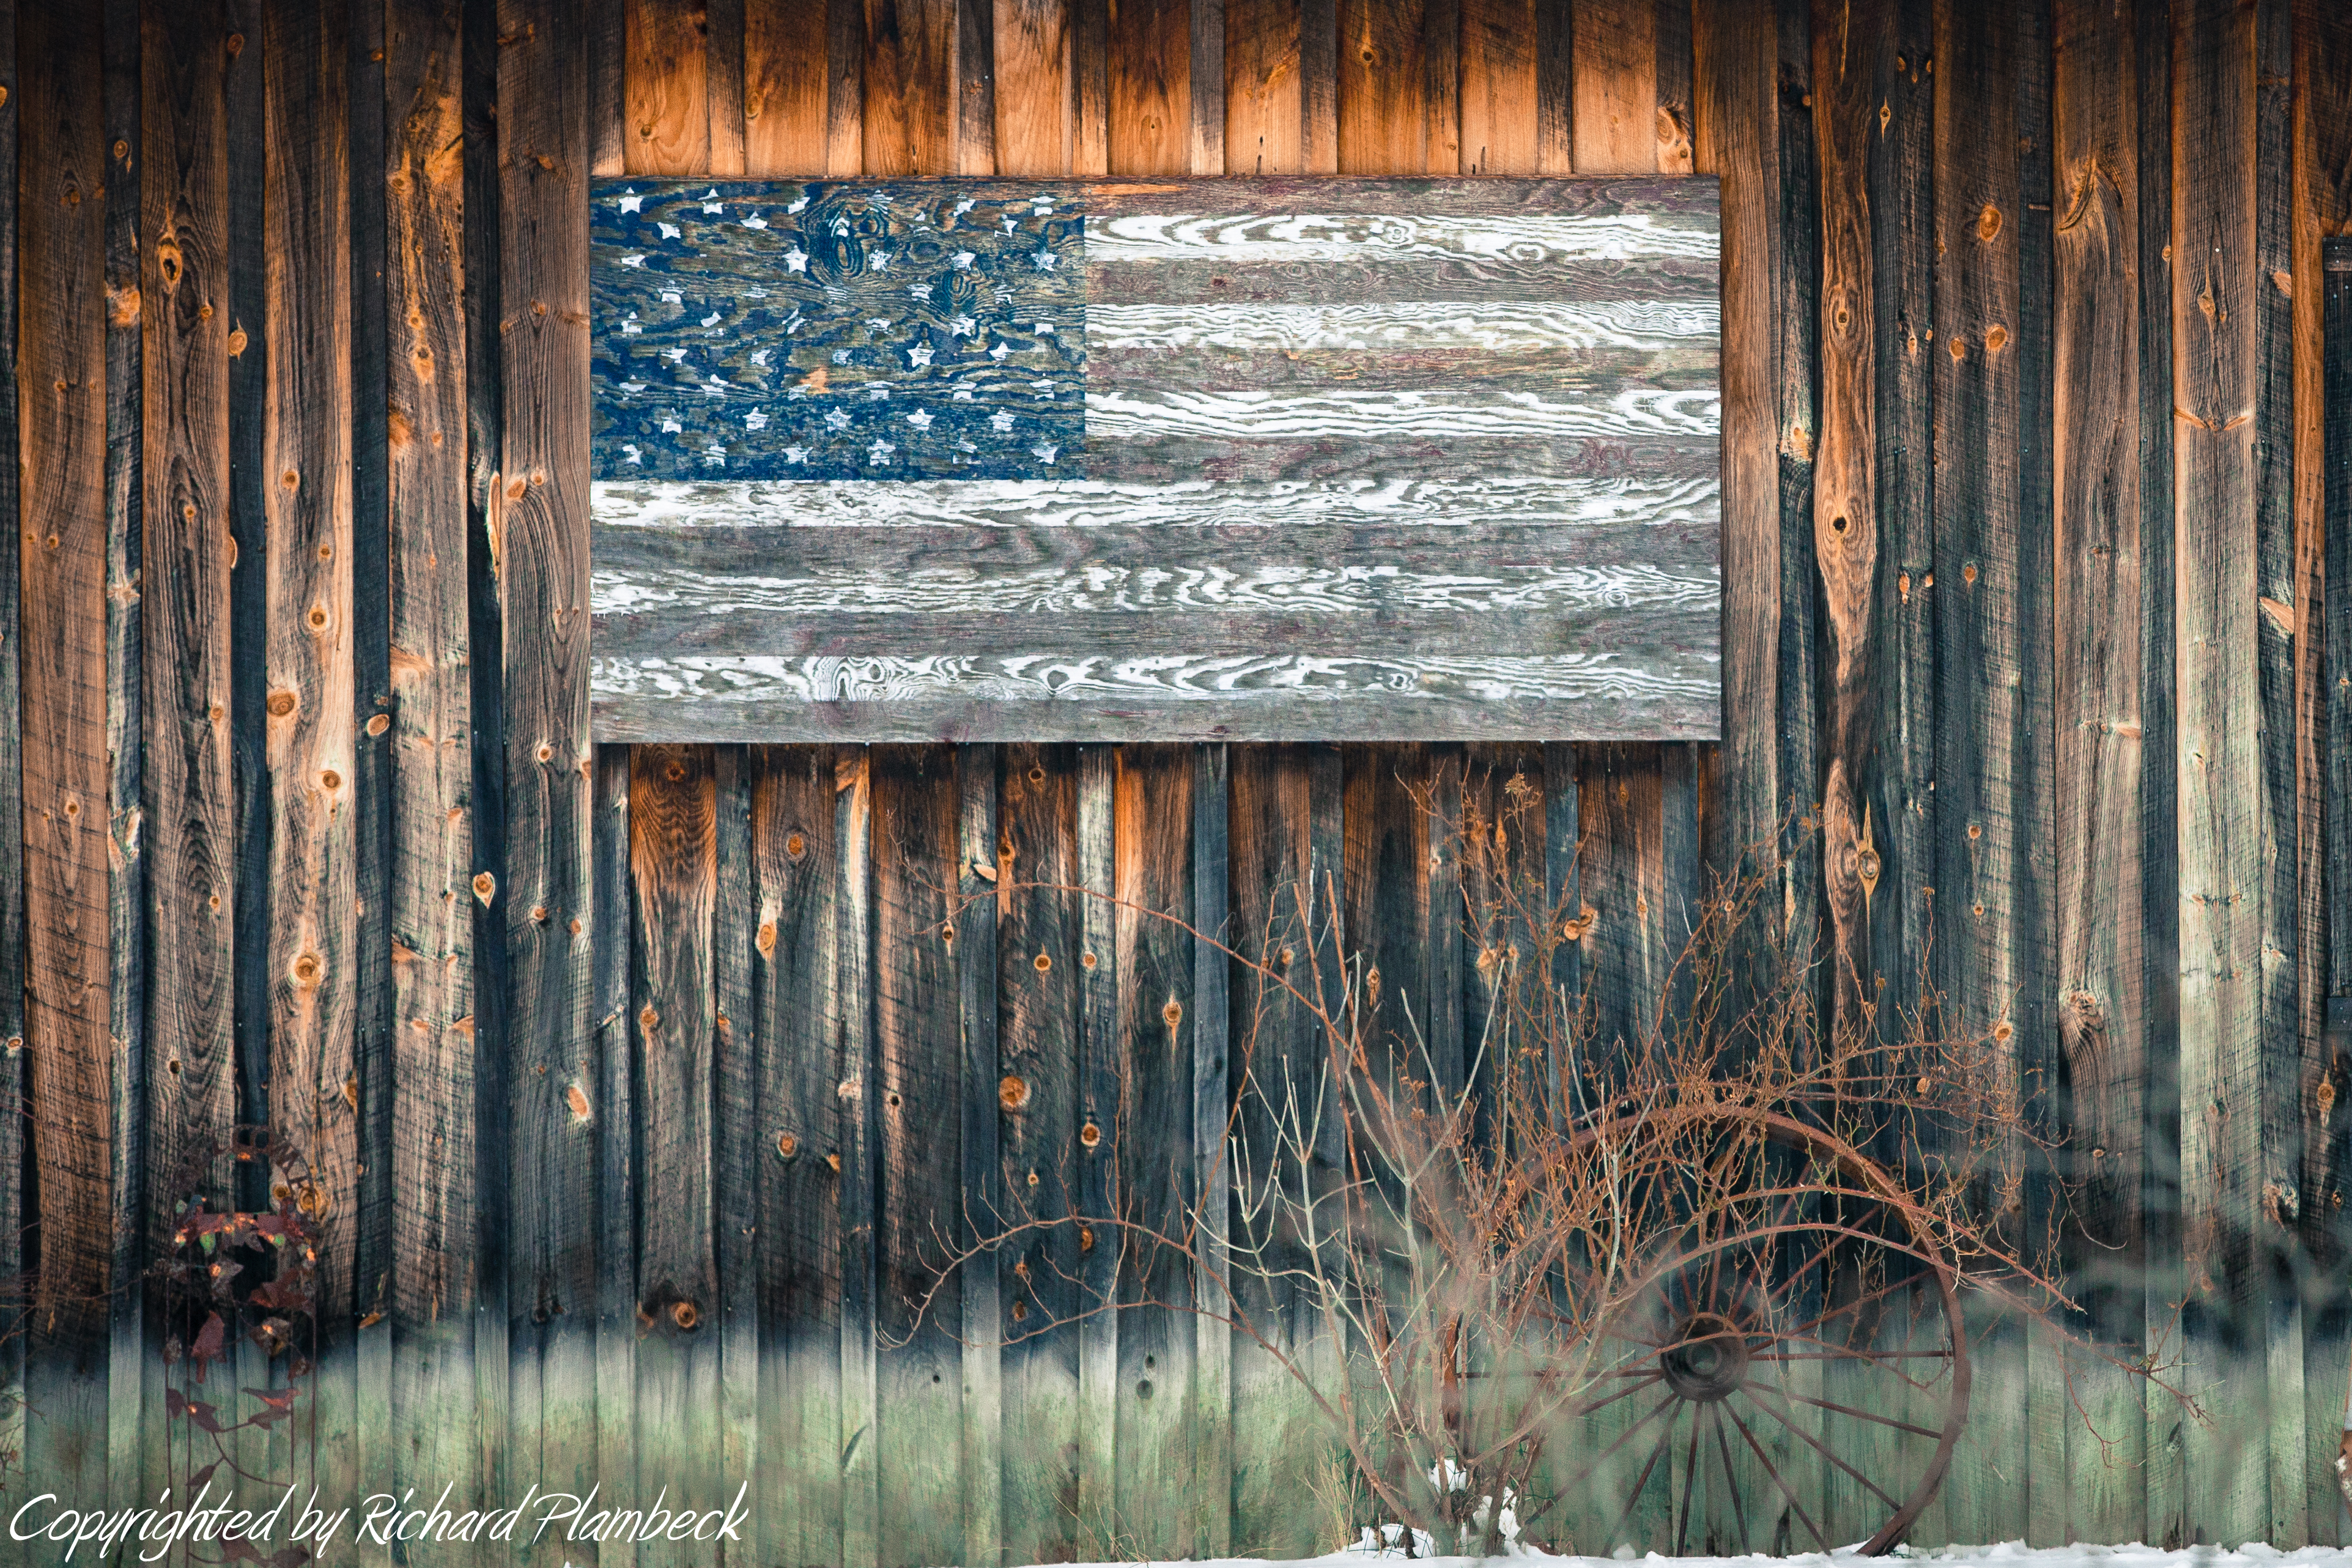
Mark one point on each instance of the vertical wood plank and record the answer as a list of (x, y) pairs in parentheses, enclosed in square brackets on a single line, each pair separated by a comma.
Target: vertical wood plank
[(1677, 146), (14, 1129), (723, 36), (860, 1470), (1319, 87), (909, 88), (674, 875), (2323, 477), (1615, 101), (307, 446), (1498, 86), (1401, 804), (665, 81), (844, 102), (1398, 95), (614, 1102), (800, 1006), (2103, 1007), (433, 1163), (1206, 136), (1564, 898), (919, 1418), (1212, 1366), (1097, 1159), (736, 1149), (61, 388), (1036, 92), (1150, 988), (1736, 142), (125, 813), (2224, 808), (190, 782), (495, 1387), (784, 78), (975, 88), (973, 923), (1151, 64), (1038, 932), (1555, 40), (1090, 90), (539, 531), (604, 27), (1264, 103)]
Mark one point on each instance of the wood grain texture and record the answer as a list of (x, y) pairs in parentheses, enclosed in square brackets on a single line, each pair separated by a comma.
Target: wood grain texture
[(1401, 807), (1615, 90), (981, 1178), (1150, 995), (917, 1090), (1211, 1109), (784, 88), (669, 104), (1095, 1161), (1036, 90), (189, 782), (614, 1097), (854, 959), (1264, 96), (1399, 75), (430, 783), (909, 88), (2223, 808), (2099, 792), (800, 1016), (14, 1196), (1498, 86), (538, 536), (1150, 68), (736, 1142), (1038, 932), (61, 388)]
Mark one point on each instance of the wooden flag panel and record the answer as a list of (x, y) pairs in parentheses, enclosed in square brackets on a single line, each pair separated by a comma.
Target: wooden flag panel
[(1002, 459)]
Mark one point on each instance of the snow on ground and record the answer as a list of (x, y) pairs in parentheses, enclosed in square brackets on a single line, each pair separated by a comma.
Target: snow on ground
[(2007, 1555)]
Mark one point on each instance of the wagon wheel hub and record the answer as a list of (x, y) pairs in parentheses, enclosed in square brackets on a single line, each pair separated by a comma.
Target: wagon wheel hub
[(1706, 1359)]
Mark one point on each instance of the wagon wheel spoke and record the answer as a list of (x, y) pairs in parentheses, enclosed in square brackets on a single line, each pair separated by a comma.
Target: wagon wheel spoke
[(1848, 1410), (1666, 1439), (1690, 1489), (1730, 1481), (1834, 1353), (1668, 1402), (1819, 1539), (1879, 1294), (1647, 1379), (1819, 1447)]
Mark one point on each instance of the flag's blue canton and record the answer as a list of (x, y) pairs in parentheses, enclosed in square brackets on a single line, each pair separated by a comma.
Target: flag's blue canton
[(825, 332)]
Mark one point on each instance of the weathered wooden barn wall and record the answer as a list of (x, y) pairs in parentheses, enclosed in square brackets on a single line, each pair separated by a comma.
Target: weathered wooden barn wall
[(2023, 562)]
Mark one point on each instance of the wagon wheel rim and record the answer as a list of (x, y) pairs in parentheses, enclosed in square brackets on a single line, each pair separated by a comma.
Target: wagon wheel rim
[(1701, 1358)]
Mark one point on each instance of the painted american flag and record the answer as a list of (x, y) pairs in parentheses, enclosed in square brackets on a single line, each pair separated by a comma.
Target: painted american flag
[(997, 459)]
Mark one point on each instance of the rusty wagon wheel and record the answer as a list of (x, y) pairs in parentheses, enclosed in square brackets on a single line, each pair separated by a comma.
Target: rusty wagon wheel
[(1794, 1345)]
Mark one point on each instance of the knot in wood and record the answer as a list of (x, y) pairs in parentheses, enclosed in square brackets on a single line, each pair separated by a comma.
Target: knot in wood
[(486, 887), (379, 724), (1085, 960), (1042, 963), (795, 846), (1172, 1013), (1013, 1092), (307, 969), (1090, 1135), (683, 1315), (787, 1146)]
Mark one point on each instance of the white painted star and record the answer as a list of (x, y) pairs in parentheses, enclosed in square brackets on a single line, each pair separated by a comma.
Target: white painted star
[(1044, 329), (1045, 454), (963, 260), (877, 394), (710, 202), (879, 454), (711, 319), (637, 261), (1000, 354), (1000, 421), (672, 297), (877, 323), (670, 427), (756, 420), (715, 454), (920, 290), (963, 327), (630, 328), (759, 357), (796, 454), (716, 387), (630, 202), (755, 221), (966, 447), (1044, 261), (673, 355), (669, 231), (962, 394), (1010, 223), (841, 356), (632, 387), (920, 354), (881, 261), (799, 205), (836, 419), (920, 418), (631, 454), (796, 259), (1043, 388), (964, 207)]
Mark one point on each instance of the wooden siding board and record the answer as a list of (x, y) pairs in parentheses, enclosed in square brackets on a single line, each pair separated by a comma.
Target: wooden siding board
[(1212, 1366), (2335, 276), (665, 76), (1741, 141), (1615, 55), (1151, 839), (1038, 932), (613, 1103), (973, 923), (1035, 97), (61, 385), (916, 1087), (844, 104), (724, 26), (539, 541), (1400, 802), (2099, 794), (1498, 95), (735, 1149), (191, 784), (855, 987), (2224, 809), (799, 1005), (975, 88), (1675, 64), (674, 875), (1100, 1196), (909, 90), (432, 1159), (1151, 72), (1796, 405), (14, 1127), (784, 77), (1207, 112), (1265, 116)]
